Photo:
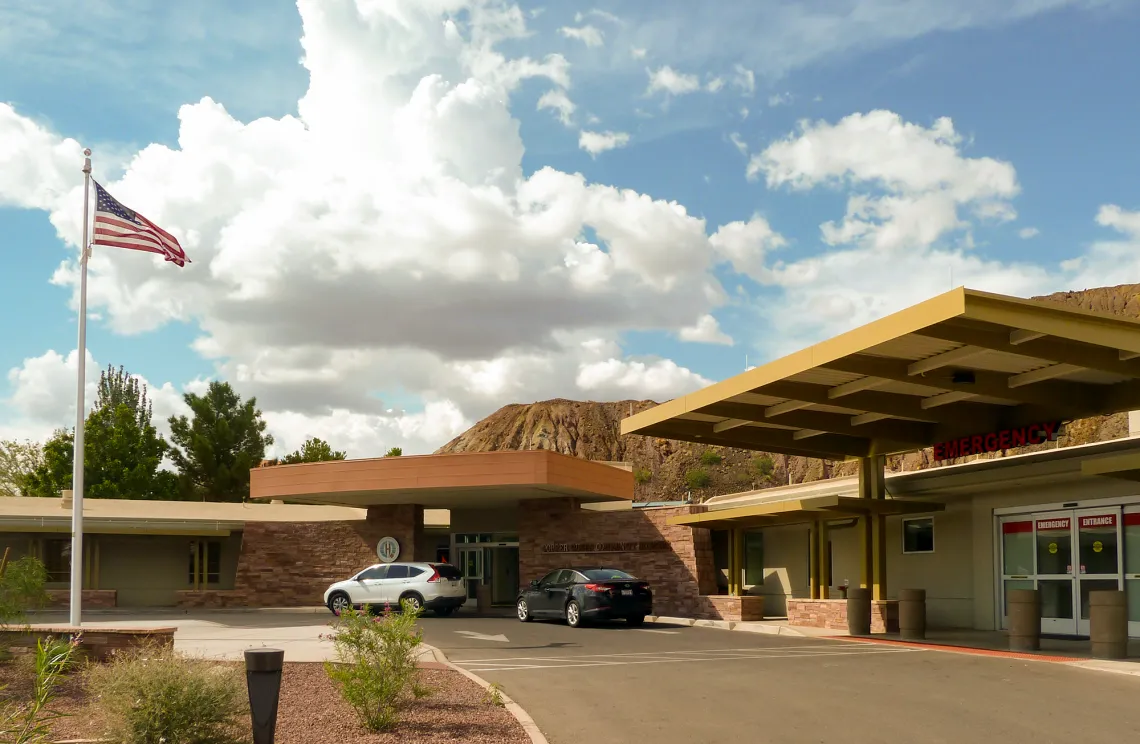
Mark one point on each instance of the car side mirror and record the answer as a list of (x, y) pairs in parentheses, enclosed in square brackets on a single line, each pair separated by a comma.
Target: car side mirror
[(534, 584)]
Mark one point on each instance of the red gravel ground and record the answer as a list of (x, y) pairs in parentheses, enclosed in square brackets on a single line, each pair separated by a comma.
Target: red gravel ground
[(312, 712)]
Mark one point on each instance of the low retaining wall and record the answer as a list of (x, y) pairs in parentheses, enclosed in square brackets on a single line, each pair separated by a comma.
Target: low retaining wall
[(736, 609), (93, 599), (212, 599), (832, 614), (95, 643)]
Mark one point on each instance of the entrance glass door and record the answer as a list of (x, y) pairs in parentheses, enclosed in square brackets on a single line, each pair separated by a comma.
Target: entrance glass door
[(471, 563), (1131, 519), (1054, 552), (1099, 564)]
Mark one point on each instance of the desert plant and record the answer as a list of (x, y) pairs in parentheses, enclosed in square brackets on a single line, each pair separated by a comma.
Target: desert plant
[(21, 589), (697, 478), (494, 695), (763, 466), (710, 458), (154, 695), (642, 475), (27, 723), (376, 664)]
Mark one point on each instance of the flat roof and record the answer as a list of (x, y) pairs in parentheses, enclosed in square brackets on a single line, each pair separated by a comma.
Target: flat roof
[(962, 363), (143, 515), (456, 480)]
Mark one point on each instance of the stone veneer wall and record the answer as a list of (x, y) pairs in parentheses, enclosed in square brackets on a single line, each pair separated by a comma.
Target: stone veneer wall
[(739, 609), (680, 577), (291, 564), (92, 599), (95, 643), (832, 614)]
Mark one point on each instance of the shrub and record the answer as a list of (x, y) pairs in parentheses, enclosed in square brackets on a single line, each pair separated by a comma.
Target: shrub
[(710, 458), (763, 466), (21, 589), (376, 664), (697, 478), (642, 475), (155, 695), (28, 723)]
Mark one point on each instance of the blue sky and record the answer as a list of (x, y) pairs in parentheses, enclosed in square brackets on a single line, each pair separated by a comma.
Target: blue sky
[(1038, 89)]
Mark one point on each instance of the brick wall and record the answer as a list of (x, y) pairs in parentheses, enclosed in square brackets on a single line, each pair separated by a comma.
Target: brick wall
[(92, 599), (95, 643), (832, 614), (291, 564), (739, 609), (679, 577)]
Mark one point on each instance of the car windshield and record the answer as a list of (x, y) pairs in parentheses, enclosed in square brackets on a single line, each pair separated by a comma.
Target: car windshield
[(606, 574)]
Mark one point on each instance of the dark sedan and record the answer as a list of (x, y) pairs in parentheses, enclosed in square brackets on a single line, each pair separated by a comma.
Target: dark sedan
[(579, 595)]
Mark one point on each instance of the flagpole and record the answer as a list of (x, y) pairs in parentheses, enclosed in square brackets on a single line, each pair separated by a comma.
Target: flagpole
[(76, 599)]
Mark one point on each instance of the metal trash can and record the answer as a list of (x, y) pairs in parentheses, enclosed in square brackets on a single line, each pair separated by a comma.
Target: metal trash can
[(858, 611), (483, 598), (1024, 620), (912, 614), (1108, 624)]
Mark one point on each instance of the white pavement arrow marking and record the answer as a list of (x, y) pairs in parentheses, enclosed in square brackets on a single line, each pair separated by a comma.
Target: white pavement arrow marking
[(483, 637)]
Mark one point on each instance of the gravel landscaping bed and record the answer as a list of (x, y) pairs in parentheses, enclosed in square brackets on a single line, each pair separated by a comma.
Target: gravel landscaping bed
[(313, 712)]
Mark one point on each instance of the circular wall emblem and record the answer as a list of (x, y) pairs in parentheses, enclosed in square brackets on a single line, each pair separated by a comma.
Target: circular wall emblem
[(388, 549), (1052, 547), (1098, 546)]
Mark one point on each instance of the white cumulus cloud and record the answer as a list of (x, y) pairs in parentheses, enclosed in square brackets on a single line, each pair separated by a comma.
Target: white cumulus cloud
[(588, 35), (599, 142), (557, 100), (1028, 232), (705, 331), (667, 80)]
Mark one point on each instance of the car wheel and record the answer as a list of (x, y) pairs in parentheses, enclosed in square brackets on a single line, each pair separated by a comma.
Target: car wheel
[(636, 620), (574, 614), (339, 602), (523, 611), (414, 602)]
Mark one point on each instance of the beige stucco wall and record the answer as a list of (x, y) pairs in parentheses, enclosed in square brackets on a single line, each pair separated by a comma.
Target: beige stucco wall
[(148, 570), (947, 574), (785, 567)]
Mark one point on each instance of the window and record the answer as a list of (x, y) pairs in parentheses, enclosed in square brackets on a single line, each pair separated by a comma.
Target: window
[(205, 563), (414, 571), (448, 571), (57, 560), (918, 535), (753, 558), (607, 574), (397, 572), (373, 574), (567, 576), (549, 578)]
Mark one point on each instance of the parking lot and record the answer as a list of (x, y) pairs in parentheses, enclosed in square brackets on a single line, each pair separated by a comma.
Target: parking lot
[(612, 684)]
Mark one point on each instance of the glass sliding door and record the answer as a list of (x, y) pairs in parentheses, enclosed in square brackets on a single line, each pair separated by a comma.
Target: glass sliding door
[(1131, 519), (1054, 551), (1099, 557)]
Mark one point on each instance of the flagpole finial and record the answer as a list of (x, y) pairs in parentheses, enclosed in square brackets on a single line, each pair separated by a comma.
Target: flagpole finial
[(87, 152)]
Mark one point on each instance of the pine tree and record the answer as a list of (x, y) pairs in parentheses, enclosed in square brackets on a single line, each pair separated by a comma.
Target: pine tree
[(313, 450)]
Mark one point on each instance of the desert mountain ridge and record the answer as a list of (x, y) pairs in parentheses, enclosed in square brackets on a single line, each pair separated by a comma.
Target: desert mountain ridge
[(667, 470)]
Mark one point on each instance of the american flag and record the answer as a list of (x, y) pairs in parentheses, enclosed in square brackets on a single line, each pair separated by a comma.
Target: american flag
[(119, 227)]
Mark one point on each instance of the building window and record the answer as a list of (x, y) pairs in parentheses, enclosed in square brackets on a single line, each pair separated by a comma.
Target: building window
[(918, 535), (205, 563), (57, 560), (753, 558)]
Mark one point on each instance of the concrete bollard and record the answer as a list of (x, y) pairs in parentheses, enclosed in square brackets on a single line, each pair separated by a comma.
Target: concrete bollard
[(1024, 620), (858, 611), (1108, 624), (912, 614), (263, 679)]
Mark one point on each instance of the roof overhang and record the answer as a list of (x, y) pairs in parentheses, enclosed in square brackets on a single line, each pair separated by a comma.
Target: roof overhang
[(792, 511), (1124, 467), (468, 480), (960, 364)]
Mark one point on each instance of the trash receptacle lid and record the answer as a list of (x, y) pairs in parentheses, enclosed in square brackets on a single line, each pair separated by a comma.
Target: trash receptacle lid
[(264, 659)]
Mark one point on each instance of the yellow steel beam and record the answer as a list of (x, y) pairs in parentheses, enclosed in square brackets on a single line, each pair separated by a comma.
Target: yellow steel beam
[(813, 557), (823, 541)]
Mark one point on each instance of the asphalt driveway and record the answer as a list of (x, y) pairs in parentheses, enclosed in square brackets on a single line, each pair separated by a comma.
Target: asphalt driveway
[(673, 685)]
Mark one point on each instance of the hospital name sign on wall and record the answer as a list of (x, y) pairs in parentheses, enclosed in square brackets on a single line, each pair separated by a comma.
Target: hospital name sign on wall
[(996, 441)]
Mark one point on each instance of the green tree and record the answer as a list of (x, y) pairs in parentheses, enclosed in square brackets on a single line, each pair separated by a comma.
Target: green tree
[(122, 451), (763, 466), (313, 450), (394, 452), (215, 449), (697, 478), (709, 457), (18, 460)]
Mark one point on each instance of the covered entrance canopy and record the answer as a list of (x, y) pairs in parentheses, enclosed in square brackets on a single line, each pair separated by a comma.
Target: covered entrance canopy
[(467, 480), (960, 364)]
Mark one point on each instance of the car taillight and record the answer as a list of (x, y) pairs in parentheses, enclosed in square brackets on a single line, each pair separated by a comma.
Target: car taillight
[(599, 588), (434, 576)]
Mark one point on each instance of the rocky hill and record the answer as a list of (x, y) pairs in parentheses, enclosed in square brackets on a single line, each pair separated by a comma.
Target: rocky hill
[(666, 469)]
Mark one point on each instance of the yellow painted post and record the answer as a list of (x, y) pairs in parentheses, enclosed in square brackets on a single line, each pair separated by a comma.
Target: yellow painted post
[(866, 541), (879, 526), (738, 552), (95, 570), (197, 563), (813, 557), (86, 564), (824, 580)]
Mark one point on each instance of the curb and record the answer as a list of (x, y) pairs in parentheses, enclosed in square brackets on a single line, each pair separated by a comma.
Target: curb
[(516, 710), (783, 630)]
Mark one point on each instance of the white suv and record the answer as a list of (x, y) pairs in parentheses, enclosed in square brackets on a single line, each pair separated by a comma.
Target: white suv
[(433, 586)]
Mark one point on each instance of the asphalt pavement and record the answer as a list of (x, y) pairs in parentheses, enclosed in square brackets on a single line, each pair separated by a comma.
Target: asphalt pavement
[(612, 684)]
